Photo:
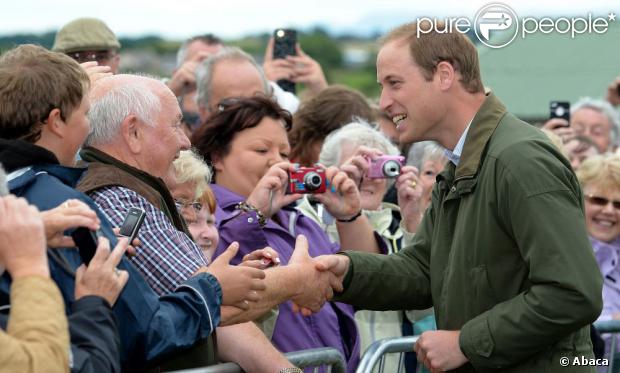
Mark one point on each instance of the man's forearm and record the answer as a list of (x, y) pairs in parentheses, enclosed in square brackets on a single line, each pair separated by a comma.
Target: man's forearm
[(247, 346), (282, 284)]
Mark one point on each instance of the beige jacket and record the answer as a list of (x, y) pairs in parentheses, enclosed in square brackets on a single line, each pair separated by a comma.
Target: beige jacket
[(37, 337)]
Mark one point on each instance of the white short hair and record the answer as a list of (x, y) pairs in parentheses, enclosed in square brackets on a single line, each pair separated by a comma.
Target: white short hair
[(604, 108), (357, 133), (108, 111)]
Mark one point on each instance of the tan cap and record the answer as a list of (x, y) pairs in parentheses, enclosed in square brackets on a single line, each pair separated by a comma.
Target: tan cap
[(84, 34)]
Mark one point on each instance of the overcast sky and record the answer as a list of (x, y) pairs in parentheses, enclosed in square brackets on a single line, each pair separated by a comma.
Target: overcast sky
[(179, 19)]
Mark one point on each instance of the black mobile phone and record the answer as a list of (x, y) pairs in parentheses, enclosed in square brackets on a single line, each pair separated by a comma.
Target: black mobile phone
[(131, 224), (559, 109), (284, 41), (86, 242)]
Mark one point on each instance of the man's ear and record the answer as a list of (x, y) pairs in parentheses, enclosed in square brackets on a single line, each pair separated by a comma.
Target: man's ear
[(446, 75), (133, 133), (54, 124)]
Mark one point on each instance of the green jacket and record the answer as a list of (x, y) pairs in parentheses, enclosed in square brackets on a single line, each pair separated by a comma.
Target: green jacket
[(502, 254)]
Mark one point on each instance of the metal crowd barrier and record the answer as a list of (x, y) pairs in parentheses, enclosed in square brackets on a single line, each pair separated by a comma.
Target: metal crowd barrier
[(317, 357), (609, 327), (375, 353)]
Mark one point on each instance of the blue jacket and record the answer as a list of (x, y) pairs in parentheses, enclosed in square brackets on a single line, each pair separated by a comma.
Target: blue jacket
[(151, 327)]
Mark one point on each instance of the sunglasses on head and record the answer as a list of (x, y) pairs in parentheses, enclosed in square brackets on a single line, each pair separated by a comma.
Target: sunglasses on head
[(602, 201)]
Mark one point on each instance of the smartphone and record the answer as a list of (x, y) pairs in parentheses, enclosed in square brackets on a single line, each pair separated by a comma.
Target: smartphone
[(559, 109), (86, 242), (284, 41), (131, 224)]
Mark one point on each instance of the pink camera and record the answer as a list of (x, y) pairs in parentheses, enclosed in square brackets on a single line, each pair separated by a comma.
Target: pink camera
[(307, 180), (386, 166)]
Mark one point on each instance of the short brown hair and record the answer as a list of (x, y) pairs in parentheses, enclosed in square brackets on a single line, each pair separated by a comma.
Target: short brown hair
[(329, 110), (433, 47), (33, 82), (234, 115)]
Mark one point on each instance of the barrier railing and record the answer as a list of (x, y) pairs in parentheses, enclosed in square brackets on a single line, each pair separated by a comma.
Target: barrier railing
[(375, 353), (609, 327), (317, 357)]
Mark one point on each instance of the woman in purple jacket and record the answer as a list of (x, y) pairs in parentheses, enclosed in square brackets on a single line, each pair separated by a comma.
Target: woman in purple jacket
[(246, 143), (599, 176)]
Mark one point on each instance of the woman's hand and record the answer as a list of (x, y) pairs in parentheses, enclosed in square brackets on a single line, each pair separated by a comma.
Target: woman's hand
[(70, 214), (357, 166), (269, 195), (409, 189), (341, 198), (261, 258)]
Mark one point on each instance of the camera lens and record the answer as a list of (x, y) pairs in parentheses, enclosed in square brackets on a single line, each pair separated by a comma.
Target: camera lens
[(391, 169), (312, 181), (560, 111)]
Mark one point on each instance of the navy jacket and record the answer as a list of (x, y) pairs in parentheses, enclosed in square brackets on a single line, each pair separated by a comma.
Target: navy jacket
[(151, 328)]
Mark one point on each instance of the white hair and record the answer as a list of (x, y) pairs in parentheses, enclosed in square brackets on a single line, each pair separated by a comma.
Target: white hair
[(357, 133), (108, 111), (604, 108), (204, 73), (423, 151)]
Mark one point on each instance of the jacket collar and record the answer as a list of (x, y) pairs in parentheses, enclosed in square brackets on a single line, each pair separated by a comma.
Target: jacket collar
[(16, 154), (482, 127), (225, 197), (149, 187)]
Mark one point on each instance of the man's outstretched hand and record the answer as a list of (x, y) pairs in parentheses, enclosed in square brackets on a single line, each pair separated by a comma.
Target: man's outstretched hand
[(329, 273)]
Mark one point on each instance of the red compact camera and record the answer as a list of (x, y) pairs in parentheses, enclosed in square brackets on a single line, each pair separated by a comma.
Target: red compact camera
[(307, 180)]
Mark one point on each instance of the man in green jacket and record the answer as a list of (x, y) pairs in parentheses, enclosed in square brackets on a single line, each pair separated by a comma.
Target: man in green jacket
[(502, 252)]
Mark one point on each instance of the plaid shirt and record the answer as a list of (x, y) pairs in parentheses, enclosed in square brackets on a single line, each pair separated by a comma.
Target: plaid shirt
[(167, 257)]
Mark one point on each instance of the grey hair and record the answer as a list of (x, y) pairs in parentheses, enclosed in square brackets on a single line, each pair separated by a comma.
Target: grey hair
[(433, 152), (604, 108), (182, 52), (423, 151), (108, 111), (357, 133), (4, 188), (208, 39), (204, 72)]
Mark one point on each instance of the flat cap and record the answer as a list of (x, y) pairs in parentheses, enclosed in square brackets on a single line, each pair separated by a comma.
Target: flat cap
[(85, 34)]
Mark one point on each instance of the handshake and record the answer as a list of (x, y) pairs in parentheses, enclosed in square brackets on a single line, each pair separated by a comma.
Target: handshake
[(316, 278), (252, 290)]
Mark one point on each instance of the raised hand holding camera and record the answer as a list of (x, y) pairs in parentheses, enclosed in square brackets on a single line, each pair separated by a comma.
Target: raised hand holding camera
[(342, 198), (269, 195)]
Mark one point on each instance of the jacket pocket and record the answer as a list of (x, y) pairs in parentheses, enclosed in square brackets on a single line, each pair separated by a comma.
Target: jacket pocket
[(482, 295)]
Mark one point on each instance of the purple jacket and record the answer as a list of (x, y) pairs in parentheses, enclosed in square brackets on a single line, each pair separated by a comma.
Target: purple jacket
[(333, 326), (607, 256)]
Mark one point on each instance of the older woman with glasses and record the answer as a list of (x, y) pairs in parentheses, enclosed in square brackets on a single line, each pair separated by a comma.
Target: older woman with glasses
[(351, 148), (599, 176), (246, 142)]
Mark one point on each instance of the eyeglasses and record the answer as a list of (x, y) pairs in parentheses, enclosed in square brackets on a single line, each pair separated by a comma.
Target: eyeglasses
[(85, 56), (181, 204), (189, 210), (601, 201)]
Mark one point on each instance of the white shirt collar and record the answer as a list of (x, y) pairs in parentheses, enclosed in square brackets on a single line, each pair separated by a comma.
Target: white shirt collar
[(455, 155)]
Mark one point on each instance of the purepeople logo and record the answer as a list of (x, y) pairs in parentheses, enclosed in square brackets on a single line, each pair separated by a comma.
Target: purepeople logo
[(496, 25)]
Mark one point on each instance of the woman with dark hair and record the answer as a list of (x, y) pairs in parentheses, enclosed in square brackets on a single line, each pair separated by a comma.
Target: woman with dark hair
[(316, 118), (246, 143)]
